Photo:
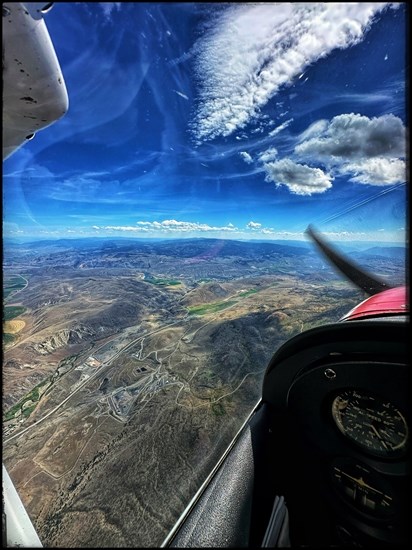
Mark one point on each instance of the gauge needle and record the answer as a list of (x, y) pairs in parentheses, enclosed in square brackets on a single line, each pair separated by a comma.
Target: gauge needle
[(379, 435)]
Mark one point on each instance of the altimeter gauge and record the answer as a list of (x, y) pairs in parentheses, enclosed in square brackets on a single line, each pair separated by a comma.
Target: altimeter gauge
[(372, 423)]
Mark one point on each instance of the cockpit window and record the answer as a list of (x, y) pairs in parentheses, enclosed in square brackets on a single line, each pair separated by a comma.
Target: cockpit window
[(154, 247)]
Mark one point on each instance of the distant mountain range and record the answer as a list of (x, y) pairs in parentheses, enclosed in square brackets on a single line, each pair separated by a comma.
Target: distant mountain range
[(201, 246), (398, 252)]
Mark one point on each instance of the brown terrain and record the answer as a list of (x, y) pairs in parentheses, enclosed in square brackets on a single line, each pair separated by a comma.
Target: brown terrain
[(125, 385)]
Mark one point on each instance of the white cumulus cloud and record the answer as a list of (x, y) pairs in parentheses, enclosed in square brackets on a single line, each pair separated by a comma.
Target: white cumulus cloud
[(376, 171), (353, 136), (254, 225), (246, 157), (255, 49), (268, 155), (131, 228), (369, 150), (170, 226), (298, 178)]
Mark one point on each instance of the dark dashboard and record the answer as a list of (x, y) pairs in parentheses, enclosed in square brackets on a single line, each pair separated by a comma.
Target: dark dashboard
[(340, 433)]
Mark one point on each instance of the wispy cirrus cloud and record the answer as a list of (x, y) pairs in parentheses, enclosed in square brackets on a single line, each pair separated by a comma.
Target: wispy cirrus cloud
[(254, 50), (85, 189), (108, 8), (181, 94), (279, 128)]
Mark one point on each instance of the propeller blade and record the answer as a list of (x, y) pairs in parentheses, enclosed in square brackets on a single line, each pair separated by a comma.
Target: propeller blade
[(363, 280)]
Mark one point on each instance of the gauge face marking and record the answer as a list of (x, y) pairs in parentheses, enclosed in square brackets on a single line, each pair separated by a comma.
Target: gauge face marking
[(362, 488), (370, 422)]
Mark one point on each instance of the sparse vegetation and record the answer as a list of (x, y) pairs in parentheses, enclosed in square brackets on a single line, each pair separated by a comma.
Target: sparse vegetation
[(12, 284), (218, 409)]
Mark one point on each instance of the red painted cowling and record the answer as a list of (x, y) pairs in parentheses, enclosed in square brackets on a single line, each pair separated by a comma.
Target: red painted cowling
[(388, 302)]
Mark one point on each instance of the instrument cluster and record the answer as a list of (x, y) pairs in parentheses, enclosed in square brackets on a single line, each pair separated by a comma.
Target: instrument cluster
[(346, 390), (379, 430), (356, 422)]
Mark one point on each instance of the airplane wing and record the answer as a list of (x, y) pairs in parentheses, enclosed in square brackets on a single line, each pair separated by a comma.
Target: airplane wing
[(34, 97), (34, 91)]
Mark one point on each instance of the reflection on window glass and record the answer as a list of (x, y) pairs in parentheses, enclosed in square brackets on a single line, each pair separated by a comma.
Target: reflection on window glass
[(155, 254)]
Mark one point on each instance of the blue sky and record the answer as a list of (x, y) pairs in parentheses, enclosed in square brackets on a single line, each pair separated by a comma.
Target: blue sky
[(235, 120)]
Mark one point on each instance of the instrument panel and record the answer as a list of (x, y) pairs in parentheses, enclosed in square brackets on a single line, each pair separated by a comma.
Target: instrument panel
[(359, 428), (345, 390)]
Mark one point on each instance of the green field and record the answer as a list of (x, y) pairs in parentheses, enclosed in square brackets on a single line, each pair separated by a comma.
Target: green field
[(12, 284), (27, 412), (33, 395), (210, 308), (11, 312), (248, 292), (162, 282), (204, 309), (8, 338)]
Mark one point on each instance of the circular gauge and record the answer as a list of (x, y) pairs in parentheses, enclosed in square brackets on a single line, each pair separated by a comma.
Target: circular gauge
[(362, 488), (375, 425)]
